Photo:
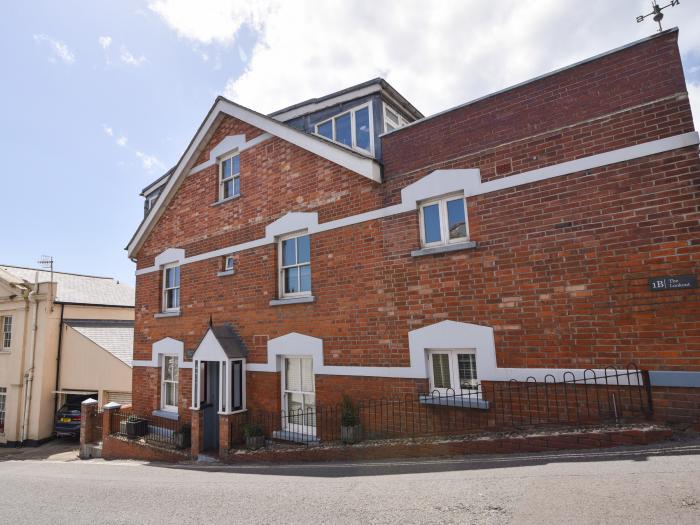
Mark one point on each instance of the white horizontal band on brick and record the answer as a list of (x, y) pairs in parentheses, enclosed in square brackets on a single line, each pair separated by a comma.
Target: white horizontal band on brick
[(442, 182), (449, 335)]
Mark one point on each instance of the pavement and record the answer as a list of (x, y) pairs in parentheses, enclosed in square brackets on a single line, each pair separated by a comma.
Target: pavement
[(654, 484)]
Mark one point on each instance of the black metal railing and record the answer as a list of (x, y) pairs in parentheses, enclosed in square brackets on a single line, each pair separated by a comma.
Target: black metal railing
[(610, 395), (153, 429)]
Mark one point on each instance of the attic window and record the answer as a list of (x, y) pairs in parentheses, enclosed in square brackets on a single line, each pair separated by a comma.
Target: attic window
[(229, 177), (392, 120), (352, 128)]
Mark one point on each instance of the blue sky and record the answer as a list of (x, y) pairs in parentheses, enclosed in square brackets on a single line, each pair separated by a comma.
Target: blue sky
[(99, 98)]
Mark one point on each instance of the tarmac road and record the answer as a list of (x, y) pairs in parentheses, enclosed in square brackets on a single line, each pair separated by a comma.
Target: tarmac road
[(655, 484)]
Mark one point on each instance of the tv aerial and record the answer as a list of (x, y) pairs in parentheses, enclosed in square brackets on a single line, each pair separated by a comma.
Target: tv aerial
[(656, 12)]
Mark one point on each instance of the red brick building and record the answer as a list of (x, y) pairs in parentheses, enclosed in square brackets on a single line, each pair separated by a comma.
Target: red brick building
[(350, 245)]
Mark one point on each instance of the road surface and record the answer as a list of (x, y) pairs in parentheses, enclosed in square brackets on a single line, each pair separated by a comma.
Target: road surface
[(657, 484)]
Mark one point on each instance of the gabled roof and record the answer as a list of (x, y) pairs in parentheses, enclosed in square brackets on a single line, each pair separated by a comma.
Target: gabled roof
[(115, 336), (229, 340), (77, 289), (361, 164), (376, 85)]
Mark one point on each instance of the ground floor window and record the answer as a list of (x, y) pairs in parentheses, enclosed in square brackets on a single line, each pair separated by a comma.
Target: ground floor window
[(169, 382), (3, 396), (452, 371), (298, 395)]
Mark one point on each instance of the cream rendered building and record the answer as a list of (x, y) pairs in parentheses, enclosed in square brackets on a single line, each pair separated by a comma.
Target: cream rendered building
[(62, 336)]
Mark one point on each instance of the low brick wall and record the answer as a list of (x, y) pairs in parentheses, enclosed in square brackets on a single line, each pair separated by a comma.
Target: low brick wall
[(117, 447), (485, 444)]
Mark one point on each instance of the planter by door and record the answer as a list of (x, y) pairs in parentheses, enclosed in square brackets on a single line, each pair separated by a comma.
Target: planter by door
[(136, 428), (254, 442), (351, 434)]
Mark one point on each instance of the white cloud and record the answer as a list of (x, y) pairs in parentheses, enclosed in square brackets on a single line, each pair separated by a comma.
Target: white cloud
[(108, 130), (127, 58), (207, 21), (149, 162), (59, 50), (121, 141), (694, 95), (105, 41), (437, 54)]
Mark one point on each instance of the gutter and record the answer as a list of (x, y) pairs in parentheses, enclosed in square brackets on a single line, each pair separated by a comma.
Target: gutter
[(58, 359), (29, 374)]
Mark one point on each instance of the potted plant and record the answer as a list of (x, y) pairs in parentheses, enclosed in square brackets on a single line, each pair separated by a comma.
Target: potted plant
[(350, 428), (254, 436), (136, 427), (183, 437)]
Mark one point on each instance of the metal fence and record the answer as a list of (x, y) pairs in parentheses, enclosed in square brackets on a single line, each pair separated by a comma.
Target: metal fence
[(153, 429), (593, 398)]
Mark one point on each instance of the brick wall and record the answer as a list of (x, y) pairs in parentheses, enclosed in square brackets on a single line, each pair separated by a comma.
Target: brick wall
[(561, 267)]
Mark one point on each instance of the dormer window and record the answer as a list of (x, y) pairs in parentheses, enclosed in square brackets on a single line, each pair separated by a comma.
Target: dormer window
[(392, 120), (229, 177), (352, 129)]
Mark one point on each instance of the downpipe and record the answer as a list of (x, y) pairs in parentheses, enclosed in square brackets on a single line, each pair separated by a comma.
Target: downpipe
[(29, 374)]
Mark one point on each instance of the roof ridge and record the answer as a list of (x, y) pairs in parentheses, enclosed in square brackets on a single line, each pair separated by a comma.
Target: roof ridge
[(62, 273)]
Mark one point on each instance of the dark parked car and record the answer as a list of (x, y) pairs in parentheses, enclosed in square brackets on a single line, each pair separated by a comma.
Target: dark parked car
[(68, 420)]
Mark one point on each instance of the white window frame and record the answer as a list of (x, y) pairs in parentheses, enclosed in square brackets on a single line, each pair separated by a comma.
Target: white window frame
[(444, 223), (401, 123), (455, 388), (163, 381), (353, 133), (286, 423), (229, 267), (232, 178), (164, 299), (281, 268), (5, 341)]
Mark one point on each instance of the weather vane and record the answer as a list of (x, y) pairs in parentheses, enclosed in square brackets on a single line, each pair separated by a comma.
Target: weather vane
[(656, 11)]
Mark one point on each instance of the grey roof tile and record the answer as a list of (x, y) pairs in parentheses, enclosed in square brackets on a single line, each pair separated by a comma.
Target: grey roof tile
[(117, 337)]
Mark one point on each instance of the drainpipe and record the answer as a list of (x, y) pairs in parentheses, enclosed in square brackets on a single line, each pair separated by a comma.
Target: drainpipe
[(29, 374), (58, 360)]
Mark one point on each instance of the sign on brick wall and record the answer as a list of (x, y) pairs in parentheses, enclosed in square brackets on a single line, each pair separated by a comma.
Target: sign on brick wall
[(681, 282)]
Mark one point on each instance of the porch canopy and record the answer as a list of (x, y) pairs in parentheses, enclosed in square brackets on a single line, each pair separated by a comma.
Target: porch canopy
[(222, 345)]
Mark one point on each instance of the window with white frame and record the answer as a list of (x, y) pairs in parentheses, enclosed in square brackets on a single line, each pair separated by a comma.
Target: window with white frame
[(295, 265), (443, 221), (237, 392), (452, 371), (171, 288), (352, 128), (229, 263), (229, 177), (392, 119), (169, 381), (6, 332), (3, 398)]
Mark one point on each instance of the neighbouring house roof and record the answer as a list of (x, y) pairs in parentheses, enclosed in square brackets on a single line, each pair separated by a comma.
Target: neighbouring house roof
[(77, 289), (160, 181), (363, 165), (232, 344), (376, 85), (115, 336)]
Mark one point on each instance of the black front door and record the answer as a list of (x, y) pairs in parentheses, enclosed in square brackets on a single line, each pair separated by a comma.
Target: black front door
[(210, 407)]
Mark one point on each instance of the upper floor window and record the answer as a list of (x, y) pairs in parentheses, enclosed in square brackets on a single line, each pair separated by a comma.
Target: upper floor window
[(352, 128), (6, 332), (392, 120), (295, 265), (171, 288), (229, 177), (229, 263), (452, 371), (443, 221)]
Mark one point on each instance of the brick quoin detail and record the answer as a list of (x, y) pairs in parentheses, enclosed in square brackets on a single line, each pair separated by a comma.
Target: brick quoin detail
[(560, 269)]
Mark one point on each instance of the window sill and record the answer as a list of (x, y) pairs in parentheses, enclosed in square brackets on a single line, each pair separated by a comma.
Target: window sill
[(166, 414), (160, 315), (225, 273), (223, 201), (232, 413), (467, 245), (293, 300), (453, 401), (5, 352)]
